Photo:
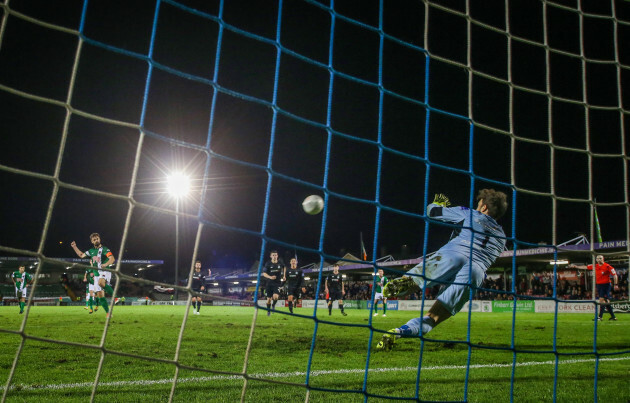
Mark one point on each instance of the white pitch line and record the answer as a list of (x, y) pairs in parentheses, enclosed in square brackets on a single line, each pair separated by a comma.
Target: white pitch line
[(291, 374)]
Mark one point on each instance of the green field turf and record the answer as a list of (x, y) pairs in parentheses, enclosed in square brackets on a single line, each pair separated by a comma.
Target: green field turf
[(214, 345)]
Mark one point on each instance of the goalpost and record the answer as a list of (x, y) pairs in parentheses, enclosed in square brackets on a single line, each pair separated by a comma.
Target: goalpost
[(420, 97)]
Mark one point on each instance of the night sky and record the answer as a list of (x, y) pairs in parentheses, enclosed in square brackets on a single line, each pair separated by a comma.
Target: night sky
[(220, 134)]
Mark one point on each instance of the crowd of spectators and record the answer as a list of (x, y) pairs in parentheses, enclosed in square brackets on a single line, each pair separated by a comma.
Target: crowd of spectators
[(541, 284), (527, 286)]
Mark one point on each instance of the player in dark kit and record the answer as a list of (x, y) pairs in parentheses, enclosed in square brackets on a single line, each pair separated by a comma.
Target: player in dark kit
[(335, 289), (295, 281), (198, 281), (274, 273)]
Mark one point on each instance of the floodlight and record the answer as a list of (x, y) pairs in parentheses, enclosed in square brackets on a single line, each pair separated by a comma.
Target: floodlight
[(178, 184)]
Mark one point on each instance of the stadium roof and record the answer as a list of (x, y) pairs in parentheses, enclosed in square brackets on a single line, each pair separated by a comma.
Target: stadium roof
[(577, 253)]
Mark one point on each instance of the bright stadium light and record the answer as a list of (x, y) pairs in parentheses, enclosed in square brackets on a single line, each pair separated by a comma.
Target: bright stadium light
[(215, 283), (236, 282), (178, 184), (558, 262)]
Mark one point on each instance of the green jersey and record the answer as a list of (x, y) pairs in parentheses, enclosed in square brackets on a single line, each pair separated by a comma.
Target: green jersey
[(90, 275), (21, 279), (98, 255), (380, 283)]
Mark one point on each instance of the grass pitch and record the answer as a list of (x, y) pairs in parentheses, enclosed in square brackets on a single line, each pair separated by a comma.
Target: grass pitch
[(140, 347)]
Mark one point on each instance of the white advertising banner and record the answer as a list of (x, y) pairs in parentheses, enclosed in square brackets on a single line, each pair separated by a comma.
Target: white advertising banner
[(415, 305), (564, 307), (263, 303), (321, 304)]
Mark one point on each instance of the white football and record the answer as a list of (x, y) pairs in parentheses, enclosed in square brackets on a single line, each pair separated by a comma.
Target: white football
[(313, 204)]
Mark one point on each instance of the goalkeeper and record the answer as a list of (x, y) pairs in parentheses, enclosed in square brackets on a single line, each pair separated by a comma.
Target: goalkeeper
[(462, 262)]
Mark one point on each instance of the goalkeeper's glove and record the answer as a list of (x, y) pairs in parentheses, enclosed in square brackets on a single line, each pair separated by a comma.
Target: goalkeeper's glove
[(441, 200)]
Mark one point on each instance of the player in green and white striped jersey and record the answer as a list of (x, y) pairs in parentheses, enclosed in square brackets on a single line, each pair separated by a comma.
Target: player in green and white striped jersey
[(21, 280), (90, 278), (99, 277), (381, 280)]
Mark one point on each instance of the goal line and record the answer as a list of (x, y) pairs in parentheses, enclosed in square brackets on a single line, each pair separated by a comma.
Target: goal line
[(275, 375)]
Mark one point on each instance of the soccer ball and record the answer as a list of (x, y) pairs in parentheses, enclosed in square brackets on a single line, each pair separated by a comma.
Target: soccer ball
[(313, 204)]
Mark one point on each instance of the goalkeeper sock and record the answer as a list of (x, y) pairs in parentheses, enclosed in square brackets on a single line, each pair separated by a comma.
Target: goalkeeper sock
[(104, 304), (341, 307), (291, 306), (330, 308), (275, 301), (198, 305), (417, 325), (108, 289)]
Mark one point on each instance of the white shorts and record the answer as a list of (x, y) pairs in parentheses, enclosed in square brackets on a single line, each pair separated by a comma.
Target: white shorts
[(21, 293), (91, 287), (107, 275), (379, 295)]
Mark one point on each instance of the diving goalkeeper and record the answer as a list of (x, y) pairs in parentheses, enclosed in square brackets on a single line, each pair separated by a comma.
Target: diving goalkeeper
[(460, 263)]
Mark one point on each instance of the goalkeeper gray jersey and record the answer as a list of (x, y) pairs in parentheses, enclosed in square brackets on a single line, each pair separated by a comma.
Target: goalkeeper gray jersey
[(479, 232)]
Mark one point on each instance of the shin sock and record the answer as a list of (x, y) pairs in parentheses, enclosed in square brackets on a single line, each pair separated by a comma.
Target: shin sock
[(104, 304)]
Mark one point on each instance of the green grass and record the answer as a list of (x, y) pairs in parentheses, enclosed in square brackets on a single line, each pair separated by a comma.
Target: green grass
[(142, 340)]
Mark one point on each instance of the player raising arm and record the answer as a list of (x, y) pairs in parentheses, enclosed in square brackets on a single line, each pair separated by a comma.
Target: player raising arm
[(603, 273), (96, 255), (459, 264)]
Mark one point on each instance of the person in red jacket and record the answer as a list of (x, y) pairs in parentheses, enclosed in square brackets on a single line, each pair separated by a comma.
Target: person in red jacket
[(603, 273)]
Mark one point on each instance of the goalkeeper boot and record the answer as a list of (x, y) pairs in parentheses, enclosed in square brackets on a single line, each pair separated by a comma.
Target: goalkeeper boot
[(400, 287), (387, 341)]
